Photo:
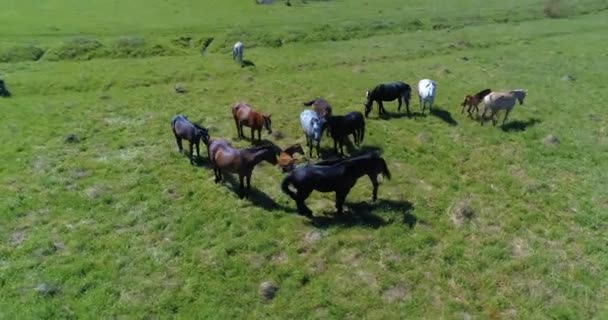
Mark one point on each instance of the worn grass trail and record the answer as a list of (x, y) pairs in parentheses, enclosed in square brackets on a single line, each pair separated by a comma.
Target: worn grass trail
[(119, 224)]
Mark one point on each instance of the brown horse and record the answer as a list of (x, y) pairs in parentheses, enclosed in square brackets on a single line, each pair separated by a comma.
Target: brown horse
[(225, 158), (286, 160), (473, 101), (244, 115)]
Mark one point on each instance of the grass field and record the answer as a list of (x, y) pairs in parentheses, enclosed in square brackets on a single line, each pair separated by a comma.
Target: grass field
[(118, 224)]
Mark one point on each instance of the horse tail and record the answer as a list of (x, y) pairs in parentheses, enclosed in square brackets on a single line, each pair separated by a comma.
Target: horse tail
[(285, 186), (309, 103), (385, 171), (362, 132)]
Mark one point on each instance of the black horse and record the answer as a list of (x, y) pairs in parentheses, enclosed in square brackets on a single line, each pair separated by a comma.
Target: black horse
[(388, 92), (340, 127), (338, 177), (184, 129), (3, 90)]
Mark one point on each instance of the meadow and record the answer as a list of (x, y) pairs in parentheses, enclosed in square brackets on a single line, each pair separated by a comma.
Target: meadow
[(118, 224)]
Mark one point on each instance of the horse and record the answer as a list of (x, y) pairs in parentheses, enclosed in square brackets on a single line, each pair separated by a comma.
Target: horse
[(244, 115), (3, 90), (373, 177), (339, 178), (286, 161), (311, 125), (472, 102), (184, 129), (496, 101), (237, 52), (388, 92), (225, 158), (426, 93), (320, 106), (341, 126)]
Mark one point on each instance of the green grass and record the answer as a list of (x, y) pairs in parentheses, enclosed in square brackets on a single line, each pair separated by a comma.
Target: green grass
[(122, 226)]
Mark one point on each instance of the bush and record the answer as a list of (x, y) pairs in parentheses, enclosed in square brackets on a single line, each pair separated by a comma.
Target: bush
[(553, 9), (137, 47), (21, 53), (81, 48)]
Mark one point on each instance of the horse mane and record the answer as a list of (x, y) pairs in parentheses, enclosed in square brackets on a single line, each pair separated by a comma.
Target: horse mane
[(198, 126)]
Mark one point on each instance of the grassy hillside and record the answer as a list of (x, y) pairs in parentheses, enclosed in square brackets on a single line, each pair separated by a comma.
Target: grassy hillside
[(118, 224)]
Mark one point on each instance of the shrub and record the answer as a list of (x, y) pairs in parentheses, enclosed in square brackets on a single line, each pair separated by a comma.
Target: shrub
[(21, 53), (81, 48)]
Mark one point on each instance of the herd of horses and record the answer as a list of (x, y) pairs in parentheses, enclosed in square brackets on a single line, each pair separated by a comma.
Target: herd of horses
[(337, 175)]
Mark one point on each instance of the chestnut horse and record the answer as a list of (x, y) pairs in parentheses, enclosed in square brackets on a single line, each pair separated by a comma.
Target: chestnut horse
[(473, 101), (244, 115), (225, 158), (286, 160)]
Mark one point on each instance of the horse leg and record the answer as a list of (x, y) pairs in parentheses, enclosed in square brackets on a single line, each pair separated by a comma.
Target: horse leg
[(218, 174), (190, 148), (178, 140), (381, 108), (493, 116), (252, 135), (301, 205), (506, 115), (374, 180), (318, 148), (241, 186), (483, 115), (399, 106), (260, 135), (198, 151), (340, 198)]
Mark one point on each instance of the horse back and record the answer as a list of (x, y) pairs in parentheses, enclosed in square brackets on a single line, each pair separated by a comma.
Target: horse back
[(481, 94)]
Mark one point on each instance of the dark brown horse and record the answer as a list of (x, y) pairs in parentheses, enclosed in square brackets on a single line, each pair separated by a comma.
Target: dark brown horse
[(340, 127), (286, 160), (400, 91), (320, 106), (194, 133), (244, 115), (473, 101), (339, 177), (225, 158)]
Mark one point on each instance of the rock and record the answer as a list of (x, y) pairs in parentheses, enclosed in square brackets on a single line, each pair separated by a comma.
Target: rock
[(71, 138), (278, 134), (263, 1), (394, 294), (313, 236), (465, 58), (46, 289), (16, 238), (568, 78), (267, 290), (551, 140), (180, 89)]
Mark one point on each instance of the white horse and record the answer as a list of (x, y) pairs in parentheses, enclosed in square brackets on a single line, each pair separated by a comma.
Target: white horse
[(496, 101), (237, 52), (426, 93), (311, 125)]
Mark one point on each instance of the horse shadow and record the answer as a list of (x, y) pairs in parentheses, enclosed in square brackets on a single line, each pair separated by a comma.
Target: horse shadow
[(400, 114), (518, 125), (328, 153), (256, 196), (444, 115), (361, 215), (247, 63)]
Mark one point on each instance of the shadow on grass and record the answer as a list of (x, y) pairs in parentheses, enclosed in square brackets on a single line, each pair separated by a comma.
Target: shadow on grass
[(257, 197), (444, 115), (247, 63), (360, 214), (518, 125)]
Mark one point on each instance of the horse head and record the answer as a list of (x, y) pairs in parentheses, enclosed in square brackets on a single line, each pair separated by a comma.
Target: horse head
[(520, 95), (367, 103), (204, 133), (467, 99), (267, 123)]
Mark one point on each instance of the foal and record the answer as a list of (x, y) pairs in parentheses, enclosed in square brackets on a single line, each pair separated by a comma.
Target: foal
[(320, 106), (339, 178), (225, 158), (194, 133), (340, 127), (244, 115), (286, 160), (473, 101), (496, 101)]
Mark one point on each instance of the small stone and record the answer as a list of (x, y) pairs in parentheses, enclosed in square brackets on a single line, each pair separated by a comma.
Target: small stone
[(46, 289), (461, 212), (268, 290), (465, 58), (551, 140), (568, 78), (313, 236), (180, 89), (16, 238)]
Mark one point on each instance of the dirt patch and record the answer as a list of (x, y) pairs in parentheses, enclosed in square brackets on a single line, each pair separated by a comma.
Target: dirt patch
[(16, 238), (280, 258), (396, 293), (461, 212), (551, 140), (520, 248)]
